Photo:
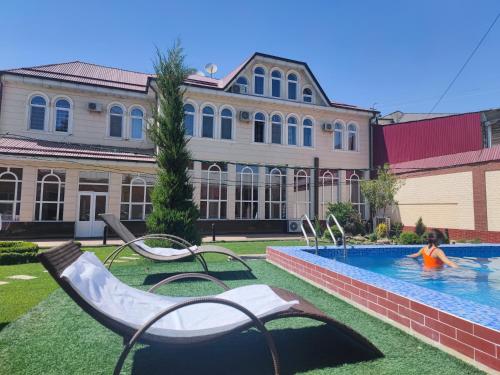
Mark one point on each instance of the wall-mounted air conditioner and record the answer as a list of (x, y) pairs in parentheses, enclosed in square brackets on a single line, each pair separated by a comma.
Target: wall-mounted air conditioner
[(239, 89), (95, 107), (245, 116), (294, 226), (327, 127)]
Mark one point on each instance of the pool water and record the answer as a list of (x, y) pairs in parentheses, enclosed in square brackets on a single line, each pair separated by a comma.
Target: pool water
[(477, 279)]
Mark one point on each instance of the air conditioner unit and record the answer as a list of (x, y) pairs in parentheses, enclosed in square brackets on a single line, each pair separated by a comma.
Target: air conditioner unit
[(239, 89), (245, 116), (327, 127), (294, 226), (95, 107)]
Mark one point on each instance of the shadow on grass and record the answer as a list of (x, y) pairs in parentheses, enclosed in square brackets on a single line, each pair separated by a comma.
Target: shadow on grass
[(301, 349), (3, 325), (221, 275)]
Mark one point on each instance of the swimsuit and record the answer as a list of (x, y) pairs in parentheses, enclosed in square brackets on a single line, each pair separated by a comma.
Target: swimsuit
[(430, 261)]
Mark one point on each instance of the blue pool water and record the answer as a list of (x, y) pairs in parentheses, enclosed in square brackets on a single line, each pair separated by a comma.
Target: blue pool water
[(477, 279)]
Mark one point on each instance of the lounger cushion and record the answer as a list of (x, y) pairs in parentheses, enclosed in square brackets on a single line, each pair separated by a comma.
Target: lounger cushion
[(133, 307), (163, 251)]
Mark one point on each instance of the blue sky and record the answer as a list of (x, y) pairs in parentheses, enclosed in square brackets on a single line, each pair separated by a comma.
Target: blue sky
[(398, 54)]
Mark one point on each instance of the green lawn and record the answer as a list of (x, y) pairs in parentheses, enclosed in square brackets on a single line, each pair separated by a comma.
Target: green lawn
[(57, 337)]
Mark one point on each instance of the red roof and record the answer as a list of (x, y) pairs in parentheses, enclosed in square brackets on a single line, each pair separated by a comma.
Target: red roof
[(41, 148), (447, 161)]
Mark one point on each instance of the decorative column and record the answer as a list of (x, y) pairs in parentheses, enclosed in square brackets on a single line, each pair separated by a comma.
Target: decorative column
[(231, 191), (291, 207), (28, 191), (115, 193), (71, 195), (262, 193)]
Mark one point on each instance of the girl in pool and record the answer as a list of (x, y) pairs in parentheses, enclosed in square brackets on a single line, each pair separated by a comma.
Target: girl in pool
[(433, 256)]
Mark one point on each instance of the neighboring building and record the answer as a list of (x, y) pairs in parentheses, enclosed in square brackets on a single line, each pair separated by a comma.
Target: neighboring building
[(74, 145), (397, 117)]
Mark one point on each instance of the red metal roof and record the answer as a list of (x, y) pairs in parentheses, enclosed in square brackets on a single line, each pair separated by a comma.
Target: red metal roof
[(427, 138), (446, 161), (42, 148)]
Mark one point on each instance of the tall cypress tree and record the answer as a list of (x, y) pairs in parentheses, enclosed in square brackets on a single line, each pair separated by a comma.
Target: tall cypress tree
[(174, 211)]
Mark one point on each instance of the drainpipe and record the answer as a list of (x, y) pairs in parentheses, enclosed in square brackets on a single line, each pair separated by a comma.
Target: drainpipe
[(316, 188), (372, 122), (1, 92)]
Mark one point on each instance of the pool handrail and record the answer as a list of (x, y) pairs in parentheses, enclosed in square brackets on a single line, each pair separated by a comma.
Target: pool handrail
[(306, 218), (329, 228)]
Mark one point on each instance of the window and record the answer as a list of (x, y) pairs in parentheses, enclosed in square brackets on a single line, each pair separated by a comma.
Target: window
[(308, 131), (292, 130), (226, 124), (259, 128), (49, 204), (352, 137), (302, 188), (189, 119), (38, 106), (63, 108), (338, 136), (275, 199), (329, 191), (258, 80), (136, 123), (136, 196), (243, 82), (276, 129), (276, 84), (93, 181), (307, 95), (213, 197), (207, 123), (116, 121), (10, 193), (355, 196), (292, 86), (247, 192)]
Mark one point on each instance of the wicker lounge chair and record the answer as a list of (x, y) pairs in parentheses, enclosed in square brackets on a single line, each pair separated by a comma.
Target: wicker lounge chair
[(139, 316), (162, 254)]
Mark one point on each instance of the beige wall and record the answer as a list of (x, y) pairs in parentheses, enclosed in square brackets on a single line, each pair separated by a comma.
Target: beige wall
[(493, 199), (443, 201)]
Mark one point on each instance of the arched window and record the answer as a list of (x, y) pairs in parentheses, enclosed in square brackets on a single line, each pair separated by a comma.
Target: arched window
[(276, 129), (226, 124), (213, 194), (307, 95), (247, 192), (338, 136), (328, 189), (292, 86), (301, 188), (116, 121), (10, 193), (136, 123), (307, 128), (50, 186), (189, 119), (259, 128), (276, 83), (352, 137), (207, 122), (258, 80), (243, 83), (136, 196), (355, 196), (62, 116), (38, 106), (292, 130), (275, 200)]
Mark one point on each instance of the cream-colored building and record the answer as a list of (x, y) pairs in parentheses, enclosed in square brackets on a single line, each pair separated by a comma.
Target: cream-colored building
[(268, 146)]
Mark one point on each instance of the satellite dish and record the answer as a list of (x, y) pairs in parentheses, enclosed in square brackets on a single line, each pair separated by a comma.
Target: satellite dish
[(200, 73), (211, 69)]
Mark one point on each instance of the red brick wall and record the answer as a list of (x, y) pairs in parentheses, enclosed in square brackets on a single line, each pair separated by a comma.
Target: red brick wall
[(464, 234)]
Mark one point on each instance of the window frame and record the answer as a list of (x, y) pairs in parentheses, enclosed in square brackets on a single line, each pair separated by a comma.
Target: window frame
[(194, 114), (60, 203), (264, 131), (124, 119), (297, 90), (280, 82), (70, 114), (340, 131), (131, 122), (263, 76), (214, 120), (254, 185), (325, 175), (356, 136), (268, 188), (311, 127), (222, 184), (361, 204), (130, 203), (221, 117), (45, 115), (247, 85), (280, 123), (297, 175), (16, 202), (304, 95), (296, 126)]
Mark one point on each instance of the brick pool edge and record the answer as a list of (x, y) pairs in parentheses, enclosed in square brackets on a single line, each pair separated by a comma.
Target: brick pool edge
[(472, 342)]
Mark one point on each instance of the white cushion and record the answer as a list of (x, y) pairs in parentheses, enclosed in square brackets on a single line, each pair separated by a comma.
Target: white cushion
[(163, 251), (133, 307)]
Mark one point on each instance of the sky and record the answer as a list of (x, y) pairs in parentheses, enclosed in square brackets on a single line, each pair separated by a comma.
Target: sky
[(393, 55)]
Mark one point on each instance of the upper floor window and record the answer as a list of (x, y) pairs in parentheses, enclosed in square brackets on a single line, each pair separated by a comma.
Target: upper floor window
[(292, 86), (226, 124), (62, 117), (116, 121), (243, 82), (259, 126), (38, 106), (276, 129), (352, 137), (189, 119), (307, 95), (258, 80), (338, 136), (207, 123), (136, 123), (276, 83), (308, 132), (292, 130)]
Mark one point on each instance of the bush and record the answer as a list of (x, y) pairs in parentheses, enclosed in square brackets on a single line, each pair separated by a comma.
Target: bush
[(409, 238), (348, 217), (396, 229), (420, 227), (372, 237), (17, 252), (381, 230)]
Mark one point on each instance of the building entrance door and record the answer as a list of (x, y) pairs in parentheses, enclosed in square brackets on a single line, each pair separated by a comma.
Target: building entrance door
[(90, 205)]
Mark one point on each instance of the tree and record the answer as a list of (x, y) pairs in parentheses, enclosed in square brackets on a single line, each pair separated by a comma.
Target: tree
[(174, 211), (381, 192)]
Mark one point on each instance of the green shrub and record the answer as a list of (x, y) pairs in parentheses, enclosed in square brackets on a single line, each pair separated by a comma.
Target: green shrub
[(409, 238), (396, 229), (17, 252), (420, 227), (372, 237), (348, 217), (381, 230)]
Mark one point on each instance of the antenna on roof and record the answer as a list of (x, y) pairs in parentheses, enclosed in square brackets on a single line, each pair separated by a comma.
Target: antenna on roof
[(211, 69)]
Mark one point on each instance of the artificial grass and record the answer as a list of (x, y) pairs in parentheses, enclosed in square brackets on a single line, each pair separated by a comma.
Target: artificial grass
[(57, 337)]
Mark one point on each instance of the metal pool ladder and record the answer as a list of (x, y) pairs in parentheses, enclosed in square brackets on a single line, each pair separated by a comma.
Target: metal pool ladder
[(311, 227), (328, 226)]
